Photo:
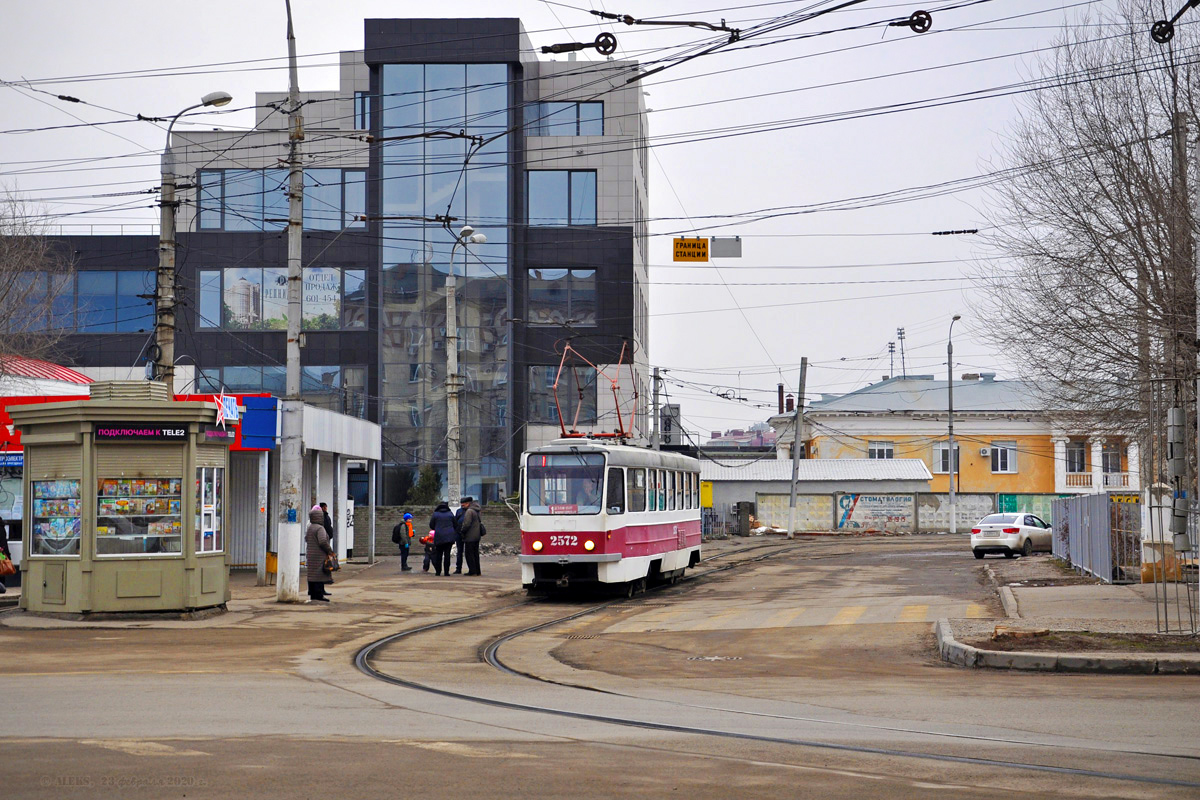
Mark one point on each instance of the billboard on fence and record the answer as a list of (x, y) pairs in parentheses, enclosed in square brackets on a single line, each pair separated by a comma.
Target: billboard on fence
[(880, 512), (814, 512)]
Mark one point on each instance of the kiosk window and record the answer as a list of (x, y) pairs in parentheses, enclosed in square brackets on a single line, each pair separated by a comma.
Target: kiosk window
[(138, 517), (56, 518), (209, 508)]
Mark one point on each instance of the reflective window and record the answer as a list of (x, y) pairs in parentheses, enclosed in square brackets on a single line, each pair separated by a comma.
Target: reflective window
[(362, 111), (576, 395), (337, 388), (566, 119), (616, 491), (257, 199), (562, 197), (255, 299), (562, 297), (106, 301)]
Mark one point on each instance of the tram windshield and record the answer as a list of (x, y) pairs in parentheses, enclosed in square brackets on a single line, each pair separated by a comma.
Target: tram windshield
[(564, 483)]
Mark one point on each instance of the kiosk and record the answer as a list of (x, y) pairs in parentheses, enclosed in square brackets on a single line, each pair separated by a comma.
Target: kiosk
[(125, 502)]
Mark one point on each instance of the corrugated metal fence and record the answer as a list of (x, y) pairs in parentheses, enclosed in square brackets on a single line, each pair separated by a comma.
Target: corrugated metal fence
[(1099, 535)]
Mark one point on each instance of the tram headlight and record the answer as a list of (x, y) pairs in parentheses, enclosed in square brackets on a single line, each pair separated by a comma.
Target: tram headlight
[(589, 545), (537, 546)]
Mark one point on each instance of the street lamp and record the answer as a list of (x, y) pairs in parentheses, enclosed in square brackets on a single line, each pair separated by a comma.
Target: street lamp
[(950, 408), (466, 235), (164, 322)]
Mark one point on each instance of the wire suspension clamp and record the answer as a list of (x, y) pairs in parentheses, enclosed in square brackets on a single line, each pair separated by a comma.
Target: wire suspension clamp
[(1163, 31), (605, 45), (917, 22)]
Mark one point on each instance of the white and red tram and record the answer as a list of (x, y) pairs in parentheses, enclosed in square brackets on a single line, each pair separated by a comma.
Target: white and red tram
[(594, 512)]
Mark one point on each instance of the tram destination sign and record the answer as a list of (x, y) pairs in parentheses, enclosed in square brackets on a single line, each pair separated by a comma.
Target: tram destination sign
[(138, 432), (691, 249)]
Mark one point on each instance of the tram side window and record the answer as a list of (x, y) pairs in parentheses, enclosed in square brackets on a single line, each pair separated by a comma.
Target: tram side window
[(616, 490), (662, 490), (687, 490), (670, 491), (637, 490), (679, 490), (695, 490)]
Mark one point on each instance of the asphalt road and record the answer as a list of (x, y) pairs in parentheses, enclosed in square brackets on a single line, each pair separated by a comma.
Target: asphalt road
[(809, 673)]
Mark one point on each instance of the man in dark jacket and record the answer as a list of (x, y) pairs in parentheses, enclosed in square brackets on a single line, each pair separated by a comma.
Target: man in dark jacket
[(470, 528), (445, 534), (464, 504)]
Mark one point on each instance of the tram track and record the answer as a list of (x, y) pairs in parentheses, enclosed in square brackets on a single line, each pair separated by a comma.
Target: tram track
[(489, 654)]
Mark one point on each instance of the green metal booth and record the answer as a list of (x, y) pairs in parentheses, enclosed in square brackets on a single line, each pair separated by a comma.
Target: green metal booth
[(125, 502)]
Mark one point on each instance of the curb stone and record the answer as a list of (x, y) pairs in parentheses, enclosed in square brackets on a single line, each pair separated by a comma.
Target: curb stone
[(1007, 598), (965, 655)]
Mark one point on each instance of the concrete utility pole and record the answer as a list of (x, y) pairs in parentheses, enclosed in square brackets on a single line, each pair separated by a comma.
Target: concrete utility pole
[(654, 437), (465, 236), (950, 408), (797, 446), (164, 294), (292, 510)]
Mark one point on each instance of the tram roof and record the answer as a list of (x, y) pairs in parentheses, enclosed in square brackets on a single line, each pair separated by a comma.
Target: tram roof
[(622, 454)]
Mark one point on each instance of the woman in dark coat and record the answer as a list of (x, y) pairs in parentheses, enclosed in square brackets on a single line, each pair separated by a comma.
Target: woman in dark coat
[(445, 534), (318, 547)]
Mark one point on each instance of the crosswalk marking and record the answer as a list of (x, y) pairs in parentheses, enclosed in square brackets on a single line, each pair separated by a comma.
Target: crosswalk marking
[(781, 619), (976, 611), (915, 613), (848, 615)]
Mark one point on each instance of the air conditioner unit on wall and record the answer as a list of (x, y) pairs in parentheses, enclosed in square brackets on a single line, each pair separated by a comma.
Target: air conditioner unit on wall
[(983, 451)]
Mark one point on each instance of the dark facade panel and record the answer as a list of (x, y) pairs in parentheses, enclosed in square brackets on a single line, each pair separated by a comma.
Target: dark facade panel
[(442, 41)]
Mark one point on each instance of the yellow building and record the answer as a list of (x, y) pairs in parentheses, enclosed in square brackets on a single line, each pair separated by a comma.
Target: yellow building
[(1006, 444)]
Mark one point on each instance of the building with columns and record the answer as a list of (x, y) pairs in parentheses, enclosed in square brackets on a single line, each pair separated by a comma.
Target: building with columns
[(1005, 442)]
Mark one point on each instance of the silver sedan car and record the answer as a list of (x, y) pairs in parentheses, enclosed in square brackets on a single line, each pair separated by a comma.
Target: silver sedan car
[(1010, 534)]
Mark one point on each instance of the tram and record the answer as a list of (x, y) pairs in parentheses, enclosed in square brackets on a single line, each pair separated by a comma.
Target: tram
[(597, 512)]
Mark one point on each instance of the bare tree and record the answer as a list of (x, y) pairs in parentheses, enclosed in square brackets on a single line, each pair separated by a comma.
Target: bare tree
[(1090, 288), (35, 286)]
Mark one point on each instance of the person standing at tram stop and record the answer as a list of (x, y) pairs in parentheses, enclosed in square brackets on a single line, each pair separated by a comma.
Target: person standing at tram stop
[(327, 523), (470, 526), (445, 533), (463, 505), (318, 546), (403, 535)]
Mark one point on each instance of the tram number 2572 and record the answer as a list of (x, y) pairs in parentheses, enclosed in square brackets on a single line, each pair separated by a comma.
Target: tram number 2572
[(564, 541)]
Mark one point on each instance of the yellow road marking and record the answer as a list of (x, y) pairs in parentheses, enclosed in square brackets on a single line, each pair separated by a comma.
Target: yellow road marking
[(976, 611), (914, 613), (714, 620), (781, 619), (848, 615)]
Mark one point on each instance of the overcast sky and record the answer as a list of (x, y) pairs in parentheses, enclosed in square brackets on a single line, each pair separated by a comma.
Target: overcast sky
[(737, 327)]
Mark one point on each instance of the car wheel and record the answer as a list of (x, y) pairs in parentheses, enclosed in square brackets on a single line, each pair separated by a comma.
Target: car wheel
[(978, 553), (1027, 549)]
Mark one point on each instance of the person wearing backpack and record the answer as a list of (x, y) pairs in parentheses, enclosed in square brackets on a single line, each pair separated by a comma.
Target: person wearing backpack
[(403, 535)]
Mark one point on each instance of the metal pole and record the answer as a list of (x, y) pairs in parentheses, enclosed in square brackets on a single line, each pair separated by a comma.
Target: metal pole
[(950, 409), (371, 502), (654, 438), (453, 431), (292, 510), (797, 446)]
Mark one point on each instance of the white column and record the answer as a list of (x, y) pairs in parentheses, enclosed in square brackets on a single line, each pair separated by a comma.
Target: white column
[(1060, 464), (1097, 465), (1133, 464)]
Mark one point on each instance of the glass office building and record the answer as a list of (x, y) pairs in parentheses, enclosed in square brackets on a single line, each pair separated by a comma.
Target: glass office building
[(432, 119)]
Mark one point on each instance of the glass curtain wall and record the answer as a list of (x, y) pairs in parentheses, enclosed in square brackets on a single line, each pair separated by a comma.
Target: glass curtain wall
[(424, 177)]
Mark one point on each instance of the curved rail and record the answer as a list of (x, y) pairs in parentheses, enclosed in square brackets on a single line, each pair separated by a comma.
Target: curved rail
[(362, 661)]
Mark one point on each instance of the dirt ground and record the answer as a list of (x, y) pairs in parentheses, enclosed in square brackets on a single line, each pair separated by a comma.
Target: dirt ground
[(1041, 569), (1088, 642)]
